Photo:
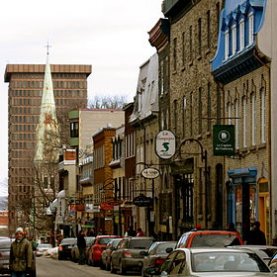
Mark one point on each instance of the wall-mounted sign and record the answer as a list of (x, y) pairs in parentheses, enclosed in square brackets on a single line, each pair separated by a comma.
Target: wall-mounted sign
[(224, 140), (142, 201), (150, 173), (165, 144)]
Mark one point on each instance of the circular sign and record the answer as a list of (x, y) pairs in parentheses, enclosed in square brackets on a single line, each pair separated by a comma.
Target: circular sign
[(165, 144), (150, 173), (224, 136)]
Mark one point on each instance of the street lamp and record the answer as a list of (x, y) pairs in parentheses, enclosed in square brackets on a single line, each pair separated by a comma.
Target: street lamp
[(204, 158)]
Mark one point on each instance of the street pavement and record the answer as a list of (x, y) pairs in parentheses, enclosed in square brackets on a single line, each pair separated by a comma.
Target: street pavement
[(48, 267)]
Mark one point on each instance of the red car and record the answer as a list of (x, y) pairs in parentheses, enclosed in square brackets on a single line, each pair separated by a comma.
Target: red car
[(96, 249)]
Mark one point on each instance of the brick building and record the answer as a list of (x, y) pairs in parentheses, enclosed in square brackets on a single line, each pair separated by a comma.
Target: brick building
[(25, 92)]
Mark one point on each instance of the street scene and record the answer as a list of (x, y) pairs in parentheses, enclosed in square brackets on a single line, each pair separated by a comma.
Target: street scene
[(176, 177)]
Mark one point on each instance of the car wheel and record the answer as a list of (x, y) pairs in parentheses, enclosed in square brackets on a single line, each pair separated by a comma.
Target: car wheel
[(121, 268)]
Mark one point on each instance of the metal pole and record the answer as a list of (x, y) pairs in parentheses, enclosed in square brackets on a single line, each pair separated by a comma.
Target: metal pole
[(204, 156)]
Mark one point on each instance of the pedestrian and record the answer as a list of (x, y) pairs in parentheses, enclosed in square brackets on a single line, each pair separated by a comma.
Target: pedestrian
[(81, 244), (21, 255), (131, 232), (256, 236), (140, 233)]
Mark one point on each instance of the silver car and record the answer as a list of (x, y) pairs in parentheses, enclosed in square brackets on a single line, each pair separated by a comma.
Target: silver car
[(214, 262), (273, 263), (128, 255)]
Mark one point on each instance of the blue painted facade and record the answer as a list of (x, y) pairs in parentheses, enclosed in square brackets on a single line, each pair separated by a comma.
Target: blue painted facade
[(240, 21)]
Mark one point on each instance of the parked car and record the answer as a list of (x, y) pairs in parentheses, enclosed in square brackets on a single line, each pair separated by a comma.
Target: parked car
[(214, 262), (96, 249), (209, 238), (155, 256), (273, 263), (42, 249), (128, 254), (65, 247), (75, 250), (266, 252), (5, 247), (107, 253)]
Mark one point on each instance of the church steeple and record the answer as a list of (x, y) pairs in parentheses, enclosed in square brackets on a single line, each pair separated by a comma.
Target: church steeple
[(47, 133)]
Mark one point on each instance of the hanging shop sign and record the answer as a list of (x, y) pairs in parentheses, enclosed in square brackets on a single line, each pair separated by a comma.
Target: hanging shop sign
[(224, 140), (165, 144), (142, 201), (150, 173)]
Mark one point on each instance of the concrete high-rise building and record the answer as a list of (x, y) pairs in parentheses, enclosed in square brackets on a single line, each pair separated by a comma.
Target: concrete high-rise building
[(24, 100)]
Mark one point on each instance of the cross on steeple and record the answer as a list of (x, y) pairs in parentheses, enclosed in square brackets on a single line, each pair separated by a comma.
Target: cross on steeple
[(48, 47)]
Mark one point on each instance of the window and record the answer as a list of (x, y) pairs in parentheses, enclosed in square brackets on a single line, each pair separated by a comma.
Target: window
[(175, 54), (262, 111), (237, 123), (250, 28), (184, 115), (226, 36), (234, 39), (191, 114), (199, 36), (175, 115), (253, 118), (183, 49), (74, 129), (209, 107), (208, 29), (190, 43), (200, 111), (241, 34), (229, 113), (244, 121)]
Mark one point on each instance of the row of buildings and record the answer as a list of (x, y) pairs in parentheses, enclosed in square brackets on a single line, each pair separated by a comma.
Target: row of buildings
[(196, 147)]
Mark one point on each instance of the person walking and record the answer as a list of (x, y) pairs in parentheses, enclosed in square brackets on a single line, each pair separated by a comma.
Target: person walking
[(21, 255), (140, 233), (256, 236), (81, 244)]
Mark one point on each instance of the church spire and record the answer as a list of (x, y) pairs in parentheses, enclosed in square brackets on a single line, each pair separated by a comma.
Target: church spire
[(47, 132)]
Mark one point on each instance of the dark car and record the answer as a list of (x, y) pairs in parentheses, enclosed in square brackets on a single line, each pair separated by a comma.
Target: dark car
[(155, 256), (64, 251), (75, 250), (128, 255)]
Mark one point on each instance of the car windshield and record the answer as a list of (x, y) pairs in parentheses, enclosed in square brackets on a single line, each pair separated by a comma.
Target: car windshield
[(214, 240), (104, 240), (140, 244), (227, 262), (68, 241), (161, 248)]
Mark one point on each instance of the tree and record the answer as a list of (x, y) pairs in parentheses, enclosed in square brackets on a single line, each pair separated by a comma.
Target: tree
[(107, 102)]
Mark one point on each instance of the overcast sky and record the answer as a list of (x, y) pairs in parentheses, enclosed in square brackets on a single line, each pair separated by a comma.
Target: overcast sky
[(111, 35)]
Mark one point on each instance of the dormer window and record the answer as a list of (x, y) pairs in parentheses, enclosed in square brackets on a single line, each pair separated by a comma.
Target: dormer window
[(241, 34), (234, 38), (226, 36), (250, 28)]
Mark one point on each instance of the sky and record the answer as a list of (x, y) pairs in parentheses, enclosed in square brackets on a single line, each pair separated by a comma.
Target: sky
[(110, 35)]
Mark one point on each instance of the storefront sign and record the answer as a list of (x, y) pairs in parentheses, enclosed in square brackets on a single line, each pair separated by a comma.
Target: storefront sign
[(150, 173), (142, 201), (165, 144), (224, 140)]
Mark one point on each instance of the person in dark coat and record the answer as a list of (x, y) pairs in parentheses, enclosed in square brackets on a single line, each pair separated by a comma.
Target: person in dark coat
[(256, 236), (81, 243)]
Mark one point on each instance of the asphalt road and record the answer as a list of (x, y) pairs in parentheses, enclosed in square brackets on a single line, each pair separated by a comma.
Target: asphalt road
[(48, 267)]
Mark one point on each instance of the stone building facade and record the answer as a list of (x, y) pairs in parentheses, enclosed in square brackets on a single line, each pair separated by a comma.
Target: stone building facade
[(196, 104)]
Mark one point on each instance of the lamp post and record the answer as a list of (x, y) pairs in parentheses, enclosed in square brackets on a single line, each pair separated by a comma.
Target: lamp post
[(204, 158), (115, 200)]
